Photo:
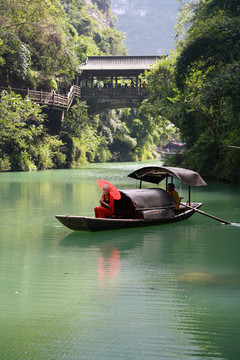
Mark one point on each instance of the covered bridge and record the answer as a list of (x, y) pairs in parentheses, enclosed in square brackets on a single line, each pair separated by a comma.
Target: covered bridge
[(114, 81)]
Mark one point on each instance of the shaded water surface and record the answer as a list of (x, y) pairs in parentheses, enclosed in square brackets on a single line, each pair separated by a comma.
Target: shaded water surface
[(163, 292)]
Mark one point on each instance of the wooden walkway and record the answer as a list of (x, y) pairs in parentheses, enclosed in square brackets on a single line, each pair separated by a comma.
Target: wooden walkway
[(100, 95), (52, 99)]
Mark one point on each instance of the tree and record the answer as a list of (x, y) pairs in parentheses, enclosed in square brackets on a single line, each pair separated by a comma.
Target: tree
[(80, 135), (33, 35), (207, 75), (43, 42), (24, 145), (199, 84)]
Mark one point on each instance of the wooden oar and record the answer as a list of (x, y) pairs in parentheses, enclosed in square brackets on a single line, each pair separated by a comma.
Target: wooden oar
[(206, 214)]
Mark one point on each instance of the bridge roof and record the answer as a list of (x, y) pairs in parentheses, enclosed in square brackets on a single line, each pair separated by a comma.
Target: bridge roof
[(117, 65)]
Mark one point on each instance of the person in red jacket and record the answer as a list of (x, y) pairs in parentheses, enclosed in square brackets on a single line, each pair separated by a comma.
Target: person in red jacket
[(106, 208)]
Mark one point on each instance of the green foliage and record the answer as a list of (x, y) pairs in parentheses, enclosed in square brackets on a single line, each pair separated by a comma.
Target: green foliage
[(24, 145), (161, 109), (109, 41), (50, 153), (43, 42), (5, 164), (82, 131), (15, 56), (197, 87), (103, 154), (129, 134), (210, 45), (33, 39)]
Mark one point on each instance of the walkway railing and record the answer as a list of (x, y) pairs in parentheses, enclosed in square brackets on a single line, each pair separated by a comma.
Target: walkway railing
[(46, 98), (58, 101)]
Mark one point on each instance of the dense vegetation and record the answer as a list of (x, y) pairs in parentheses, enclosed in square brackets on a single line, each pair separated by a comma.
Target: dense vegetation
[(197, 87), (42, 44), (24, 143)]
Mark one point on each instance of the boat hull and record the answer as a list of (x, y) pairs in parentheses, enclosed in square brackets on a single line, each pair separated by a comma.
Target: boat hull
[(84, 223)]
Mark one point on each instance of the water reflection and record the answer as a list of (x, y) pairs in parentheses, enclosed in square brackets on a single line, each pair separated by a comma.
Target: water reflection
[(228, 280), (108, 271)]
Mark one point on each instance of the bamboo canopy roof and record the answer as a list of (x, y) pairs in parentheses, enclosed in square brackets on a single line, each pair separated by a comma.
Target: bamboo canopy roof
[(155, 174), (117, 65)]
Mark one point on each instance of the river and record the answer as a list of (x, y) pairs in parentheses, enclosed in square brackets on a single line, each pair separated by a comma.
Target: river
[(155, 293)]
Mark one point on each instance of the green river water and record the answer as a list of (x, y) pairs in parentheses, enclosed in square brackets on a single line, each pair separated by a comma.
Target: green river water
[(161, 292)]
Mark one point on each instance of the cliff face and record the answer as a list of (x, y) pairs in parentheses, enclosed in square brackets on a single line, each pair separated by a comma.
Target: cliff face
[(134, 7), (148, 25), (101, 10), (103, 5)]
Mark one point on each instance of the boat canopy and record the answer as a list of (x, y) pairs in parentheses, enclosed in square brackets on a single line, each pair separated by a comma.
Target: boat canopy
[(147, 198), (133, 200), (155, 174)]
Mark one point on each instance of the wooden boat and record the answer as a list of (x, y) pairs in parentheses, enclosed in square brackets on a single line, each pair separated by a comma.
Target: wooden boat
[(143, 207)]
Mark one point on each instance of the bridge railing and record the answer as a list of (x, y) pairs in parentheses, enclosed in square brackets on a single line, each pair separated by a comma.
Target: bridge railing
[(121, 91), (74, 91), (48, 98), (53, 99), (22, 92), (59, 101)]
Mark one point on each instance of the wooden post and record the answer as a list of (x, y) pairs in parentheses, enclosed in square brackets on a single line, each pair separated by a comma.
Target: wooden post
[(111, 84), (62, 116), (116, 86)]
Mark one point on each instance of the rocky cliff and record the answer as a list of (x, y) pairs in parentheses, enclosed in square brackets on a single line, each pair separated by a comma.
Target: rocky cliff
[(100, 10)]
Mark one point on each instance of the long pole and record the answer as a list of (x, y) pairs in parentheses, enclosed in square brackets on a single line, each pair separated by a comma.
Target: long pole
[(206, 214)]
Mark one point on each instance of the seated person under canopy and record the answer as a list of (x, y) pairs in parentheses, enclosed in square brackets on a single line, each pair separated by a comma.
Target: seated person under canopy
[(106, 208), (174, 195)]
